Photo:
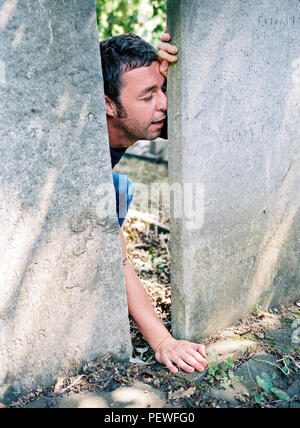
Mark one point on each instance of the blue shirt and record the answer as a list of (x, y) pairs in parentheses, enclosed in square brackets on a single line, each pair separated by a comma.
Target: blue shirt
[(116, 155)]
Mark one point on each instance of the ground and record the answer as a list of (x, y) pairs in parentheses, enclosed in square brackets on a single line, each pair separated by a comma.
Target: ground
[(254, 363)]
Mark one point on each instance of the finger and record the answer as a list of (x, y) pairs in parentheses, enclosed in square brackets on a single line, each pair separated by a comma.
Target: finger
[(171, 367), (164, 65), (164, 68), (191, 361), (167, 47), (200, 360), (166, 37), (183, 365), (200, 348), (164, 55)]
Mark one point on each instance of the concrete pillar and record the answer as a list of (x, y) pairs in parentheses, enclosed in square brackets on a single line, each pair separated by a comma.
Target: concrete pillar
[(62, 293), (234, 100)]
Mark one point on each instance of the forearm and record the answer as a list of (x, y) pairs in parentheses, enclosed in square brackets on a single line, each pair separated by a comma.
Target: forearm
[(168, 351), (140, 307), (142, 311)]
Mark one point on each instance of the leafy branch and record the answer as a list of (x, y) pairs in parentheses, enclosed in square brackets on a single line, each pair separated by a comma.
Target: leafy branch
[(146, 18)]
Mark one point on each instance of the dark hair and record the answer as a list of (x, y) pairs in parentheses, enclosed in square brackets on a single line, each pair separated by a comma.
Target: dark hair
[(123, 53)]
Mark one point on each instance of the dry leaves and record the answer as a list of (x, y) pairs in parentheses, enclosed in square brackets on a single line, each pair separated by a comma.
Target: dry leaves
[(148, 251), (59, 384), (182, 393)]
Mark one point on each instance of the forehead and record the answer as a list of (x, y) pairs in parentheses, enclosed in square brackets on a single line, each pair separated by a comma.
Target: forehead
[(142, 78)]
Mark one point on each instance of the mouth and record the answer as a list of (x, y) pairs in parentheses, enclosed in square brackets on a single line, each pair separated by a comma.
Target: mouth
[(159, 123)]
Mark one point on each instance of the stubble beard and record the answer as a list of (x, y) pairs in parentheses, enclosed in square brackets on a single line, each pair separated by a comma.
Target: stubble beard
[(134, 132)]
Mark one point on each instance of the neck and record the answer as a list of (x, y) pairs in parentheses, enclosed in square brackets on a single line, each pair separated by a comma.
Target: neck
[(118, 138)]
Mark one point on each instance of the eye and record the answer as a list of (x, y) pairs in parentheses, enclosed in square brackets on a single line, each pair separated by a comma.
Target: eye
[(148, 98)]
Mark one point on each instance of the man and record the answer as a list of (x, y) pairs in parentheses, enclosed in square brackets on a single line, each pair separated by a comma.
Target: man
[(136, 107)]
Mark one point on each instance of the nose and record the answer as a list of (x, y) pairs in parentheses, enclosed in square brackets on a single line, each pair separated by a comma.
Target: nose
[(162, 104)]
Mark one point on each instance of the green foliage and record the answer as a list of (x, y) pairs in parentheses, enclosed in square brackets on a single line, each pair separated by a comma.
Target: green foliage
[(256, 310), (259, 399), (280, 394), (146, 18), (222, 372), (285, 320), (286, 368), (265, 383)]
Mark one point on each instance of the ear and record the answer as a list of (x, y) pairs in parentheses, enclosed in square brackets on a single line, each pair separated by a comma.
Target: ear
[(111, 109)]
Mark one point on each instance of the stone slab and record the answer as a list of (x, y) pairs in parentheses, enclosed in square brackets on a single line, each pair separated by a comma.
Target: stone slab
[(234, 135), (282, 339), (137, 396), (255, 366), (230, 348), (62, 292)]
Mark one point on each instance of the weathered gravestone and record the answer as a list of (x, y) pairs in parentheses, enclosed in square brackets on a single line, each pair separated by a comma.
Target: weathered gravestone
[(62, 293), (234, 114)]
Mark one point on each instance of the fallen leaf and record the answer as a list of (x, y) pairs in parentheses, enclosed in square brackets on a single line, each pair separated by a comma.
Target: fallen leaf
[(181, 393), (261, 315), (59, 383), (241, 332), (105, 357), (176, 394), (148, 373)]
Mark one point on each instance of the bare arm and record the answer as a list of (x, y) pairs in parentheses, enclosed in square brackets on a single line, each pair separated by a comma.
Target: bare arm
[(168, 351)]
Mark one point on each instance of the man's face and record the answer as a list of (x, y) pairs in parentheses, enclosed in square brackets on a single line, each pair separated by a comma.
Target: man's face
[(144, 103)]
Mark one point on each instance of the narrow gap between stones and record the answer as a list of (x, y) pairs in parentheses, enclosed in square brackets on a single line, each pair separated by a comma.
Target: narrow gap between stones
[(146, 230)]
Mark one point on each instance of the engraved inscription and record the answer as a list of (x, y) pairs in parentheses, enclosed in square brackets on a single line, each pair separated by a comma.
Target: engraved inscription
[(281, 21)]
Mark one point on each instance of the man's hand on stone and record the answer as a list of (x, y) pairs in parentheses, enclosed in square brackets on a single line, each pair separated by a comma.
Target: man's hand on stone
[(167, 53), (187, 356)]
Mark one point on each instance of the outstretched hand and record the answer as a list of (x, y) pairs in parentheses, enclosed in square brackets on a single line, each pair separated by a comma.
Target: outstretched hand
[(167, 53), (187, 356)]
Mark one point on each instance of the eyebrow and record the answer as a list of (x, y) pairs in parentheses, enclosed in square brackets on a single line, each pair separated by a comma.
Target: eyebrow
[(145, 91)]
